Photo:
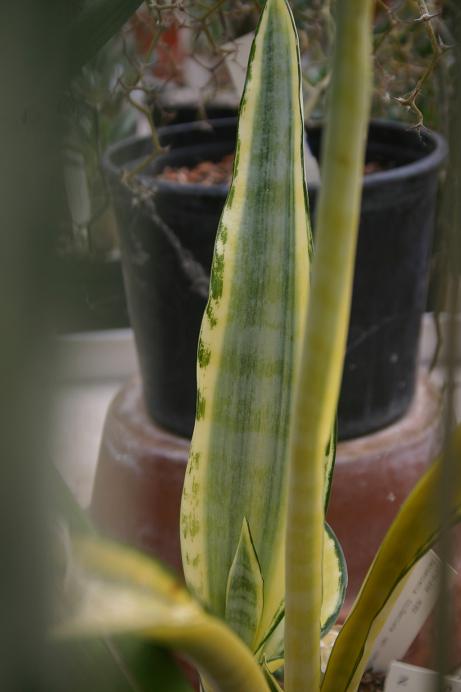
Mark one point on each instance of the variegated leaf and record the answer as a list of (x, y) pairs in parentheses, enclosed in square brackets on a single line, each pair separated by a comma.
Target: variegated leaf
[(334, 591), (334, 580), (245, 589), (250, 340)]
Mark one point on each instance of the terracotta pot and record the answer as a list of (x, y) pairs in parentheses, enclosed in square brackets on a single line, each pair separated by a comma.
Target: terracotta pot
[(138, 485)]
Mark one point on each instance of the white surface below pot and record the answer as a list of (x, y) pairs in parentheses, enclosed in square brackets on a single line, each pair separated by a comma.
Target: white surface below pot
[(91, 368)]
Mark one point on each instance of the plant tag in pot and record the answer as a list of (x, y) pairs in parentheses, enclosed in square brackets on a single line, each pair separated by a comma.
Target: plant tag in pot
[(403, 677), (411, 610)]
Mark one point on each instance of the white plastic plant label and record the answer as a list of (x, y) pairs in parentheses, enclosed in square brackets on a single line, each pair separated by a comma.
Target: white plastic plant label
[(403, 677), (409, 613)]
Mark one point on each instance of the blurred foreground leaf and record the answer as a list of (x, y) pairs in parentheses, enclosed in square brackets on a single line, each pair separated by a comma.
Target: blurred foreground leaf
[(123, 664), (96, 22), (116, 664)]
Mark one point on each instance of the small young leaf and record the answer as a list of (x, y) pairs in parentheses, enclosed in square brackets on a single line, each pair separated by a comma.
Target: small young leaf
[(334, 591), (245, 590), (334, 579)]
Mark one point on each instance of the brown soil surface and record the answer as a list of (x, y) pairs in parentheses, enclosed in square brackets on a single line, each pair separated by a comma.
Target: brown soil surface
[(205, 172), (220, 172)]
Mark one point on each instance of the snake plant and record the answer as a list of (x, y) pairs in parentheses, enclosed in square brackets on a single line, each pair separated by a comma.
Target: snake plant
[(269, 365)]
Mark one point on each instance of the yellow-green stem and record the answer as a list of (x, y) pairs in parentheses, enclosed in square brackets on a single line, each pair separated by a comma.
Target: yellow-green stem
[(226, 663), (325, 338)]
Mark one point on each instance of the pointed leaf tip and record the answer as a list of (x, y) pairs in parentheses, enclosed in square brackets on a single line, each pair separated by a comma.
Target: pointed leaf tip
[(245, 589)]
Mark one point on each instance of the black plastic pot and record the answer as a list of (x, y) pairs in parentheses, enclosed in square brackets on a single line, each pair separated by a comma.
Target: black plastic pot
[(167, 244)]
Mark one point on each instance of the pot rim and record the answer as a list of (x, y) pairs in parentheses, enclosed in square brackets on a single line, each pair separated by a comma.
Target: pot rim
[(431, 161)]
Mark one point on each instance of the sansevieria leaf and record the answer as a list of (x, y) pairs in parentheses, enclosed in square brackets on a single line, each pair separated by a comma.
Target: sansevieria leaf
[(250, 342), (334, 591), (412, 533), (245, 589)]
